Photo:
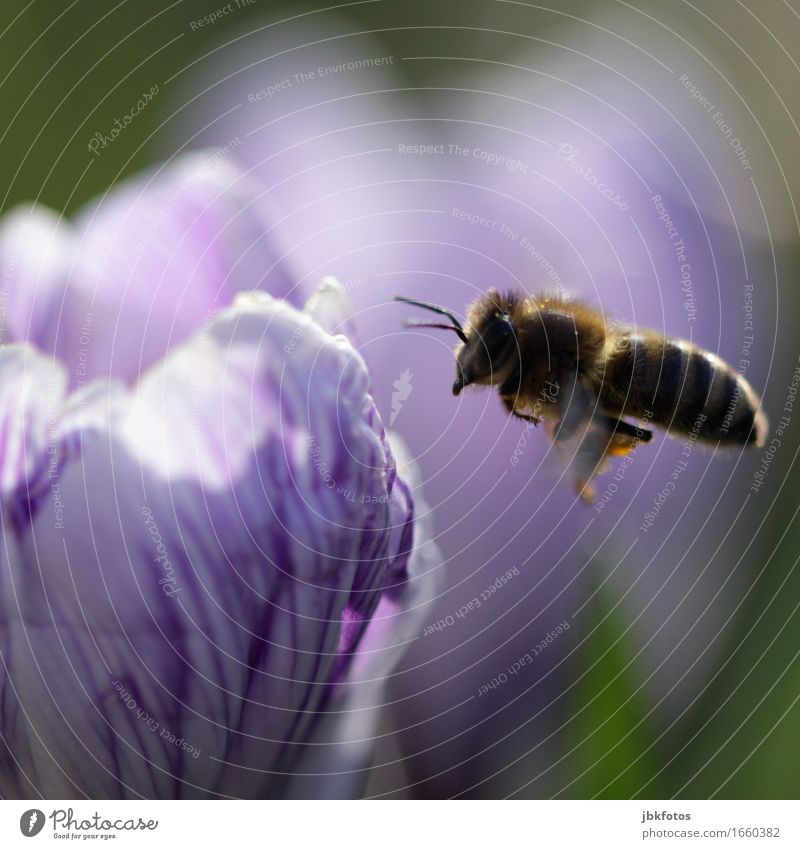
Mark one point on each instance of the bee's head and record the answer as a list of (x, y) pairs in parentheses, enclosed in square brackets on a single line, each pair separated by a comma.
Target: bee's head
[(488, 350)]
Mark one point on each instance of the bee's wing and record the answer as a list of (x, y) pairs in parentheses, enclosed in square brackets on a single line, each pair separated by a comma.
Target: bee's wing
[(603, 438), (590, 435), (574, 404)]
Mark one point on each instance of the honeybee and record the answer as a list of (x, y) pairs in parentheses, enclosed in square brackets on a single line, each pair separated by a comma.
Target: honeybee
[(561, 361)]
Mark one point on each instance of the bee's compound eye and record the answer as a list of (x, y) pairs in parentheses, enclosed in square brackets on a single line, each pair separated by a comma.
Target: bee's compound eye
[(496, 335)]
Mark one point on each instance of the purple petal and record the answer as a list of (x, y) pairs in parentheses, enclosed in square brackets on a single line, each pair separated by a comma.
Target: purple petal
[(138, 271), (337, 765), (37, 250), (32, 389), (183, 630)]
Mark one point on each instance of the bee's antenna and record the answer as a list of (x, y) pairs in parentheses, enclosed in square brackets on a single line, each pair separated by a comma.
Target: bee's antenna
[(461, 334), (442, 311)]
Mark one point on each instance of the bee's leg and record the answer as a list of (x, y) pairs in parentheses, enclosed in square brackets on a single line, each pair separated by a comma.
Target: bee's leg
[(589, 461), (605, 437), (628, 429), (574, 404), (509, 394), (623, 437), (508, 403)]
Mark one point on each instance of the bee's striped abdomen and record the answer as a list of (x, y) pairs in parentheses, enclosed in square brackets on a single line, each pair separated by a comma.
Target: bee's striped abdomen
[(681, 387)]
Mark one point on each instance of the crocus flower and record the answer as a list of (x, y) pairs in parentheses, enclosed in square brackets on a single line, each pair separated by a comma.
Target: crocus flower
[(198, 542)]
